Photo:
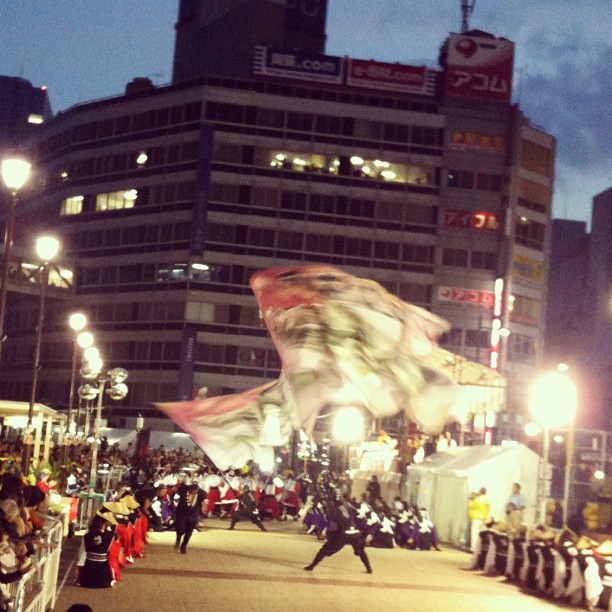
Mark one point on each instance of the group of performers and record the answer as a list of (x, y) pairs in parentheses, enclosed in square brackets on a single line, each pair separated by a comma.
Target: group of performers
[(116, 537), (379, 525), (276, 497), (180, 501), (557, 564)]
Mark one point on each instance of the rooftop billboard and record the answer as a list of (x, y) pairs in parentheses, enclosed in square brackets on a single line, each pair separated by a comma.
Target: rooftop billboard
[(479, 68)]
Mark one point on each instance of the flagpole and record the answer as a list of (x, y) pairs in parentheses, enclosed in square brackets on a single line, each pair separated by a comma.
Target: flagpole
[(209, 460)]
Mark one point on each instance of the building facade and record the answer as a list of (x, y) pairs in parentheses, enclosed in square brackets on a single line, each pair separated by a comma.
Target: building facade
[(168, 199), (23, 108)]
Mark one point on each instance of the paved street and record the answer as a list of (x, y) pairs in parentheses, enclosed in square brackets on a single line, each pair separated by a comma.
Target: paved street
[(246, 569)]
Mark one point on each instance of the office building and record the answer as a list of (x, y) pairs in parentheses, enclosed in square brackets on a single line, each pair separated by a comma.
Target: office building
[(429, 182)]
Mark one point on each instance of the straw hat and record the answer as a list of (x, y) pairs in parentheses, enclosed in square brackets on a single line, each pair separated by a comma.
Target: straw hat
[(107, 517), (541, 534), (566, 535), (130, 502), (605, 548), (116, 507), (502, 527), (585, 543)]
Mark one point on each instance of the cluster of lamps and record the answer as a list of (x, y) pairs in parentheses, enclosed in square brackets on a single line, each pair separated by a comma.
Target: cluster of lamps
[(15, 172)]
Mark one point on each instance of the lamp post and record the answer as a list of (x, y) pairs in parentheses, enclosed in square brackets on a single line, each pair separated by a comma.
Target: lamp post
[(15, 173), (77, 322), (47, 248), (117, 391), (553, 402)]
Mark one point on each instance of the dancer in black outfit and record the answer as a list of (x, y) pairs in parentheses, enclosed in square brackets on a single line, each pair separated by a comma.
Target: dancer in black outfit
[(247, 510), (187, 514), (342, 514)]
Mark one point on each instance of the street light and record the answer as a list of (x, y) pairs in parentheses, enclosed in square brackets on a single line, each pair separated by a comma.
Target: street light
[(77, 322), (47, 248), (552, 401), (117, 391), (15, 173)]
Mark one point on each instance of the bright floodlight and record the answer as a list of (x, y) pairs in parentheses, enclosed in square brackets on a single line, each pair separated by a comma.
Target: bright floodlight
[(77, 321), (47, 247), (533, 429), (266, 460), (91, 353), (270, 434), (85, 340), (15, 173), (553, 400), (348, 425)]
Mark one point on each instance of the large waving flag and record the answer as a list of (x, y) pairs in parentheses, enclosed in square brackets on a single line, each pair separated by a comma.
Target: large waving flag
[(234, 429), (346, 341), (343, 341)]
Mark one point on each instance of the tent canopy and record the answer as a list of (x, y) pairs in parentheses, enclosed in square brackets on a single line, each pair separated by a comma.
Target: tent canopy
[(9, 408), (444, 481)]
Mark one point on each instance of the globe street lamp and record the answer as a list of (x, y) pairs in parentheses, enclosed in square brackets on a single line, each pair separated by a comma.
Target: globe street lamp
[(553, 402), (77, 322), (117, 390), (15, 173), (47, 248)]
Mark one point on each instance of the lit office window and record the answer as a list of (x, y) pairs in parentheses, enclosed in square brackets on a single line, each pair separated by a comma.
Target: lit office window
[(116, 200), (36, 119), (72, 206)]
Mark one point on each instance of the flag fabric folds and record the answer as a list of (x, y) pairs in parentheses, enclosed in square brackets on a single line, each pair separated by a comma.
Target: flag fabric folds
[(343, 341)]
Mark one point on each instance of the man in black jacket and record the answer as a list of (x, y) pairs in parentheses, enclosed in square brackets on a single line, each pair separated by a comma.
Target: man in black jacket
[(247, 509), (187, 515), (343, 515)]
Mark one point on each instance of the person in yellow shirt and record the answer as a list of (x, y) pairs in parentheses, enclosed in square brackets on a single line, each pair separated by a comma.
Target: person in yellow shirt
[(478, 512)]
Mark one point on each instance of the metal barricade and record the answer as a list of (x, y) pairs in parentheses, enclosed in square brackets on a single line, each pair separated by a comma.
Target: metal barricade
[(89, 503), (37, 589)]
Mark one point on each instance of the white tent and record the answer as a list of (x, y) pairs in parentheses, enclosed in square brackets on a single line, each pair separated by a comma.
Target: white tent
[(443, 483)]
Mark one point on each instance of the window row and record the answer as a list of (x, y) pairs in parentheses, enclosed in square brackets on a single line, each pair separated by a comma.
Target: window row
[(355, 166), (299, 242), (105, 165), (178, 234), (324, 207), (530, 233), (192, 111), (464, 179), (463, 258), (457, 338), (525, 310), (307, 123), (121, 126), (522, 348), (84, 203)]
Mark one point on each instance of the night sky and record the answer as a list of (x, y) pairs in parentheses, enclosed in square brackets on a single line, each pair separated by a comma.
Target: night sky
[(84, 50)]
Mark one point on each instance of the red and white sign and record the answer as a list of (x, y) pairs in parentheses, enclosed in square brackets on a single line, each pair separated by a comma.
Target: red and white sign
[(480, 221), (393, 77), (479, 67), (485, 299)]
